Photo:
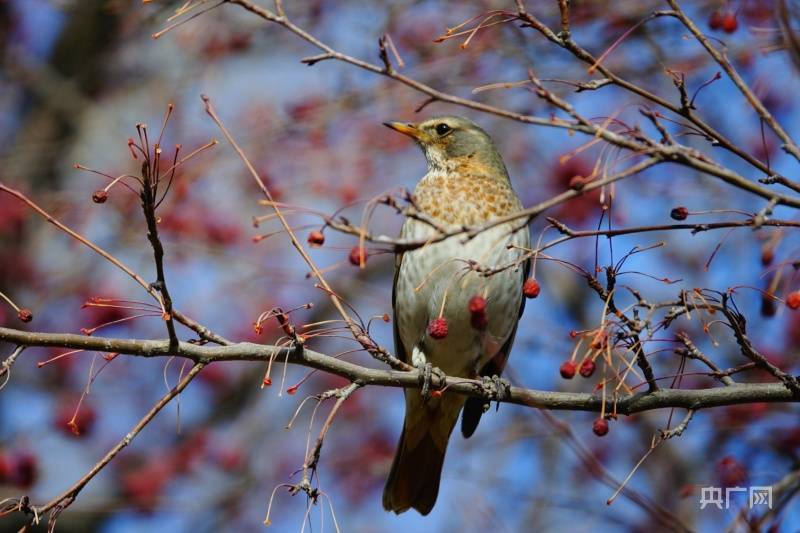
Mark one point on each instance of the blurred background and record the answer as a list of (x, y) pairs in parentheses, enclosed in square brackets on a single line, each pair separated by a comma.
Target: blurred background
[(76, 78)]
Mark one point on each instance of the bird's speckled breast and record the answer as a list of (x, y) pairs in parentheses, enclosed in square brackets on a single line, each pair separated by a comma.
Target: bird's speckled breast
[(435, 280)]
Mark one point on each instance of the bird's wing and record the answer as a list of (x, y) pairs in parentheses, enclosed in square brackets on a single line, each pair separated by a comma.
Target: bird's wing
[(475, 407), (399, 349)]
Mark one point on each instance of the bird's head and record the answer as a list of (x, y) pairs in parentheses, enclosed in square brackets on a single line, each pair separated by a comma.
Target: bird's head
[(450, 141)]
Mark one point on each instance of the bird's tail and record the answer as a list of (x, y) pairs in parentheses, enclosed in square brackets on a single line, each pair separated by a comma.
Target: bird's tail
[(417, 467)]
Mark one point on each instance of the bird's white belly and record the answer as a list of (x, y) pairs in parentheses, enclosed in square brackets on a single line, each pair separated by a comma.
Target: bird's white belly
[(436, 280)]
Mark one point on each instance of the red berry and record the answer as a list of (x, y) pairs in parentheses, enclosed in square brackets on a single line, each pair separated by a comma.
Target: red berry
[(316, 239), (25, 470), (531, 288), (74, 422), (715, 20), (793, 300), (679, 213), (567, 370), (358, 256), (25, 315), (600, 427), (5, 468), (437, 328), (479, 321), (100, 196), (729, 23), (587, 368), (477, 304)]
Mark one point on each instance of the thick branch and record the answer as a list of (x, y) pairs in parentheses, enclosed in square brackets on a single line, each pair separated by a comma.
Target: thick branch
[(245, 351)]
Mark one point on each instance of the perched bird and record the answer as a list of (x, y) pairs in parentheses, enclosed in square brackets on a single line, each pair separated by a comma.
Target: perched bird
[(446, 314)]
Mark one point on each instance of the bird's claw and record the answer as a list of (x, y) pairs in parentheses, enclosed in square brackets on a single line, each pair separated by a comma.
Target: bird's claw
[(495, 388), (426, 373)]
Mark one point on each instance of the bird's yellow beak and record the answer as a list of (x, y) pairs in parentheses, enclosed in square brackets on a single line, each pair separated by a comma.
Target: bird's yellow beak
[(405, 128)]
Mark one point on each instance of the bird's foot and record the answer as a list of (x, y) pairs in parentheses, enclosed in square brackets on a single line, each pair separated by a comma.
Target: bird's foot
[(426, 373), (495, 388)]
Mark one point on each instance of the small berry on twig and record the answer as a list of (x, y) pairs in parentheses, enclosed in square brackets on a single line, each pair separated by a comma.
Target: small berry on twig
[(567, 370), (358, 256), (531, 288), (587, 368), (316, 239), (679, 213), (100, 196), (437, 328), (25, 315), (600, 427)]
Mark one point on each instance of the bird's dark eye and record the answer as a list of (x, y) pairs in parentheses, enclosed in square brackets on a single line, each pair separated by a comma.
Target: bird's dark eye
[(442, 128)]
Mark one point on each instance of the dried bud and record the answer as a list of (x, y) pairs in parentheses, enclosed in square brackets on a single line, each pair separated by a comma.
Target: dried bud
[(793, 300), (531, 288), (587, 368), (25, 315), (437, 328), (600, 427), (576, 183), (316, 239), (768, 307), (767, 255), (358, 256), (99, 196), (477, 304), (679, 213), (567, 370)]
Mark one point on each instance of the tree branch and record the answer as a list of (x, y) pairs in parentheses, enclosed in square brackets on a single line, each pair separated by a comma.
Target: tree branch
[(245, 351)]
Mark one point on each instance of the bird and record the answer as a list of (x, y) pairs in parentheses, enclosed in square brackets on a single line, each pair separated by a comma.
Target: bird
[(448, 314)]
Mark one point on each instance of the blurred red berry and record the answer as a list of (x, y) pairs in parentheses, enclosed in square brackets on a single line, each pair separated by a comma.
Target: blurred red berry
[(75, 423), (477, 304), (729, 23), (768, 307), (5, 468), (316, 239), (793, 300), (437, 328), (99, 196), (531, 288), (679, 213), (24, 470), (715, 20), (731, 472), (358, 256), (600, 427), (587, 368), (567, 370)]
